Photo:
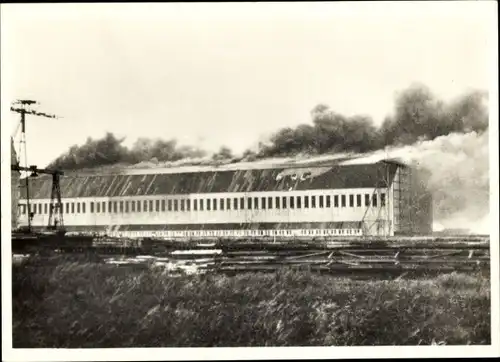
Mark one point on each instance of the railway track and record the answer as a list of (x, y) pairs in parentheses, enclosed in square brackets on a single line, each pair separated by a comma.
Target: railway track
[(339, 256)]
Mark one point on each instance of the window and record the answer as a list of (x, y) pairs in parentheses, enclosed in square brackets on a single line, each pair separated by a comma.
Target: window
[(263, 203), (313, 201), (306, 202), (78, 207), (367, 200), (183, 204), (126, 206), (242, 203), (23, 209), (374, 200), (188, 204), (299, 202), (321, 203), (209, 204), (138, 206), (214, 201), (235, 203), (163, 205), (67, 208), (195, 204), (104, 206), (151, 206), (292, 202), (336, 201), (358, 200), (44, 208), (121, 206), (351, 200), (72, 207), (145, 205), (98, 207), (382, 199), (283, 199), (176, 205), (269, 202), (343, 200), (91, 206), (228, 204), (169, 205), (157, 205), (249, 203), (115, 206), (328, 201), (221, 204), (277, 202), (256, 202)]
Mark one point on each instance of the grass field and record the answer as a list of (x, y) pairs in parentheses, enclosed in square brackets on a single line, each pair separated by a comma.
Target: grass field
[(58, 302)]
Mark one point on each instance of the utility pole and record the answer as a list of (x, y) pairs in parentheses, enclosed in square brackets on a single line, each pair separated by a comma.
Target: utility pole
[(23, 107)]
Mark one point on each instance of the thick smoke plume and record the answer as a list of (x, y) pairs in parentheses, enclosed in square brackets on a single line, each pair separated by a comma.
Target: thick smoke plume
[(455, 169), (418, 115), (109, 151)]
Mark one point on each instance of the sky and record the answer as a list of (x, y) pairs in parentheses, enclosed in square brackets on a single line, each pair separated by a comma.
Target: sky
[(218, 74)]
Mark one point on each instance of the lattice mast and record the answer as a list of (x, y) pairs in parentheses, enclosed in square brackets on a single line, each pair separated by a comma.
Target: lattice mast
[(56, 221)]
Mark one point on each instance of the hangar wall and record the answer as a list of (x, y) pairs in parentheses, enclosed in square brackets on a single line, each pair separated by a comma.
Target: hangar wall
[(377, 199)]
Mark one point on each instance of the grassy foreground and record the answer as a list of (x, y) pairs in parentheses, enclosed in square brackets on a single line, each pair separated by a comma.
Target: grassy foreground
[(84, 304)]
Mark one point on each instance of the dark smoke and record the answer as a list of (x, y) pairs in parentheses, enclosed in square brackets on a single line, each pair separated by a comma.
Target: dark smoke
[(106, 151), (330, 132), (109, 151), (418, 116), (223, 154)]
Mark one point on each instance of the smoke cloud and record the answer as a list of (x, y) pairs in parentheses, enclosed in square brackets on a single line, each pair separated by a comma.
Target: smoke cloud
[(418, 115), (455, 170), (109, 151), (458, 168)]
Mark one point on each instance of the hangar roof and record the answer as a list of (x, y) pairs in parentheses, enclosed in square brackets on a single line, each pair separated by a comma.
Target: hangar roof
[(155, 182)]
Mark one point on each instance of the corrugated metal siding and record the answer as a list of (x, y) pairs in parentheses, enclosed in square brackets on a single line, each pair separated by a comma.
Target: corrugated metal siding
[(311, 178)]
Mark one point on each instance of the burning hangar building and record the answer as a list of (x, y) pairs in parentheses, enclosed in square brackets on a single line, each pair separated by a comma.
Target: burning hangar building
[(344, 197)]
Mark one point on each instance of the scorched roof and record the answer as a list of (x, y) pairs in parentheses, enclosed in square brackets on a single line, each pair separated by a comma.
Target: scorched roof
[(243, 180)]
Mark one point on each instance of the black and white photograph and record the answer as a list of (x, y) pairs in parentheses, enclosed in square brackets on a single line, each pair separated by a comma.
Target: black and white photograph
[(251, 175)]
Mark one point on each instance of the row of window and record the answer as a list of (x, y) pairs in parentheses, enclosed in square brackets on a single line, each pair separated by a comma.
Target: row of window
[(204, 233), (214, 204)]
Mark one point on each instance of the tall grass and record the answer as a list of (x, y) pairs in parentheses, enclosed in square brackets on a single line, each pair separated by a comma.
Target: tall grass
[(83, 304)]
